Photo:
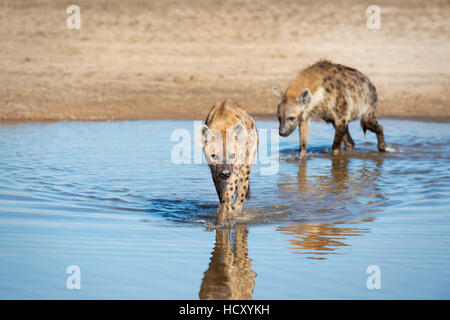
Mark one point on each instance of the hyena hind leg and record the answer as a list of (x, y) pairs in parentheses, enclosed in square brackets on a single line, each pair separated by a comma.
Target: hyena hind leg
[(370, 122), (349, 144), (338, 137)]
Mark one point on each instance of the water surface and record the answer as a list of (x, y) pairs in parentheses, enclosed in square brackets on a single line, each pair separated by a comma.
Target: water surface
[(107, 197)]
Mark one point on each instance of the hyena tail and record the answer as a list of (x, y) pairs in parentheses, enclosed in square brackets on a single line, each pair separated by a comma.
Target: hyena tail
[(369, 122), (248, 196), (368, 118), (363, 127)]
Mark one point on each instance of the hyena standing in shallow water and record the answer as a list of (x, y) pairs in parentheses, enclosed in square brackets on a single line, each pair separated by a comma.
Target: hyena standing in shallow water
[(230, 142), (335, 93)]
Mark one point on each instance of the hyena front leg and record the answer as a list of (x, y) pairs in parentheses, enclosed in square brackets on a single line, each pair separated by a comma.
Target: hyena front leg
[(226, 208), (220, 186), (243, 189), (304, 135), (349, 144), (338, 137)]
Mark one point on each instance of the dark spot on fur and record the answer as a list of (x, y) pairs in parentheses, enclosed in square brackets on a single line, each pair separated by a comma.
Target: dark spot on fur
[(350, 69), (328, 90), (374, 98), (329, 121), (343, 107)]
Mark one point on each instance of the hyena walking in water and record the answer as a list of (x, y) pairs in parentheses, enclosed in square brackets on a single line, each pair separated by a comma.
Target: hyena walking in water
[(335, 93), (230, 142)]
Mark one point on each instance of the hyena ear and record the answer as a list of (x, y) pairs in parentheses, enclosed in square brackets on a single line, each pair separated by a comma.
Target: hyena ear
[(240, 131), (277, 91), (203, 135), (305, 97)]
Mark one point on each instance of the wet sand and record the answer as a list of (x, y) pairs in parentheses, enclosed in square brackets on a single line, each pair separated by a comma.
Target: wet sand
[(174, 59)]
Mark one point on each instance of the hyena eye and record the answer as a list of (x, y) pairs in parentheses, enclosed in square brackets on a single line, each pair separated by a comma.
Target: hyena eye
[(213, 155), (291, 118)]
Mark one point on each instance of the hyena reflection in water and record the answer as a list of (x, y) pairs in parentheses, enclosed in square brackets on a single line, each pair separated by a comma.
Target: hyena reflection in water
[(334, 93), (230, 142), (229, 275)]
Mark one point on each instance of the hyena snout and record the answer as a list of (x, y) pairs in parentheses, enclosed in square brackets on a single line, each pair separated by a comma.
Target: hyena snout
[(283, 132), (225, 171)]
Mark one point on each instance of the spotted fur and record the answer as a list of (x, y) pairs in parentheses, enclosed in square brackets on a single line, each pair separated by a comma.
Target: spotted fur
[(335, 93), (228, 131)]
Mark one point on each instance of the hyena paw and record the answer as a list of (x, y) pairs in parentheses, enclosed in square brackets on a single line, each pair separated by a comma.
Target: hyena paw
[(303, 154), (382, 147), (336, 152), (224, 214)]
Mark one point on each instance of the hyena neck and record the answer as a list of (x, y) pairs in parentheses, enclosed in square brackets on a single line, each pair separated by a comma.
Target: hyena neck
[(316, 107)]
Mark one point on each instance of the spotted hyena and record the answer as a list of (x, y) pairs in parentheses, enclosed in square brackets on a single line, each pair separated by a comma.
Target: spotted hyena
[(230, 142), (335, 93)]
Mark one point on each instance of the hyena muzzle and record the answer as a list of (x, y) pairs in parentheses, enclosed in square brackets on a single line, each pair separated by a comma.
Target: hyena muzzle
[(230, 143), (334, 93)]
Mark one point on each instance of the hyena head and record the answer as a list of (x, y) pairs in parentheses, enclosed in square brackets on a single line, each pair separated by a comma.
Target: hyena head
[(290, 111), (223, 149)]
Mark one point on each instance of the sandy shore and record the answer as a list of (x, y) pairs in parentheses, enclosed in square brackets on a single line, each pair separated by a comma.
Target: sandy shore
[(173, 59)]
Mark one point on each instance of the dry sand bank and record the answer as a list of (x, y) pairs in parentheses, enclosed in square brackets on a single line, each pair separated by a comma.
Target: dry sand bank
[(174, 59)]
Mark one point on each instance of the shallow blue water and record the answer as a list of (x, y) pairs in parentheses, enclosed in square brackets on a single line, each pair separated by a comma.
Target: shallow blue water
[(107, 197)]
